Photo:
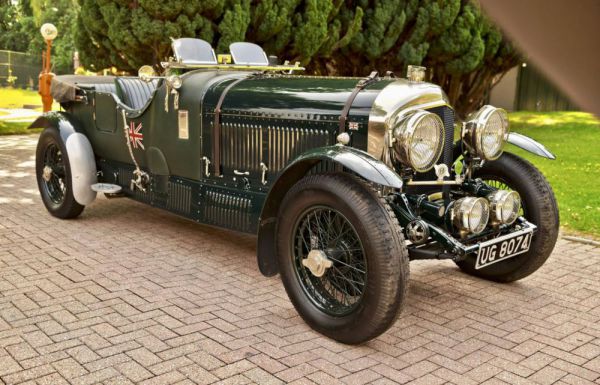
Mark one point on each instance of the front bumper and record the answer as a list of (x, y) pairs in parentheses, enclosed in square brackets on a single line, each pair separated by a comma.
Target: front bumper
[(443, 245)]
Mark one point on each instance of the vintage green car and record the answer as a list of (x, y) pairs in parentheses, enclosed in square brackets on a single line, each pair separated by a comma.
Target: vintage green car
[(344, 180)]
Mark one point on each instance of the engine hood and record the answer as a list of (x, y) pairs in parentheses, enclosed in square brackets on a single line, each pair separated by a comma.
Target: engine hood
[(315, 98)]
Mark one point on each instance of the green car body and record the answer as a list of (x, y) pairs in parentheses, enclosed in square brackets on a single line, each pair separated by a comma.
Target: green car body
[(282, 121), (225, 147)]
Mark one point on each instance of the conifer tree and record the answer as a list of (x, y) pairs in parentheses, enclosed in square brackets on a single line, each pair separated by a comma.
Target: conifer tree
[(464, 52)]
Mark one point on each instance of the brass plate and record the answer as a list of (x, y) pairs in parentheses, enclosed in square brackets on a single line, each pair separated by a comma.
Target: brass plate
[(184, 131)]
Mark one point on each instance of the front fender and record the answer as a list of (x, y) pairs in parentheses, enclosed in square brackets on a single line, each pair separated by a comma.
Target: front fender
[(79, 152), (528, 144), (357, 161)]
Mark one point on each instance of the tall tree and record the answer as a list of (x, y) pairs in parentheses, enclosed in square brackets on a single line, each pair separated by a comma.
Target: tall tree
[(463, 50), (12, 36), (20, 29)]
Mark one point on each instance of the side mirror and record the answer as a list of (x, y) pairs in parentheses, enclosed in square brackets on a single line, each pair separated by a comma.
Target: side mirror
[(146, 73)]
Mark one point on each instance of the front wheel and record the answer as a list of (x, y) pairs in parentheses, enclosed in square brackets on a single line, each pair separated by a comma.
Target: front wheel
[(342, 257), (54, 176), (511, 172)]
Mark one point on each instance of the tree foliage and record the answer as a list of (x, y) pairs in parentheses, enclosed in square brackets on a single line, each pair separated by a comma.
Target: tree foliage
[(464, 52), (20, 29)]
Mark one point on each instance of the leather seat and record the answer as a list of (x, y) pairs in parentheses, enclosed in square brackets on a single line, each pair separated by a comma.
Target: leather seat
[(134, 92)]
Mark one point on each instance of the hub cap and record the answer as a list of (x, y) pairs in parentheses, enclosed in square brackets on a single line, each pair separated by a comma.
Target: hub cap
[(47, 173), (317, 262), (329, 260)]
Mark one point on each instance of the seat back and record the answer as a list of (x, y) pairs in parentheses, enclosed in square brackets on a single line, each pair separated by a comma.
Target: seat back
[(134, 92), (193, 51)]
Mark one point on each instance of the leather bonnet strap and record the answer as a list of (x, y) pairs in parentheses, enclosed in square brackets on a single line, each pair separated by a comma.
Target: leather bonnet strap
[(362, 83)]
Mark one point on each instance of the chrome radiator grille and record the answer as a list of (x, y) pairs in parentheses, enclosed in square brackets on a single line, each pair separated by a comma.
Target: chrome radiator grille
[(447, 115)]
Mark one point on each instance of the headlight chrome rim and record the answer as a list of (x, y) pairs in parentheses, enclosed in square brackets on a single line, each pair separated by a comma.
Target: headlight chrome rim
[(464, 218), (504, 206), (478, 130), (405, 132)]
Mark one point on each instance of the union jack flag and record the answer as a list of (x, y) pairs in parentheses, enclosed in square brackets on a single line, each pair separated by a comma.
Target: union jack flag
[(135, 136)]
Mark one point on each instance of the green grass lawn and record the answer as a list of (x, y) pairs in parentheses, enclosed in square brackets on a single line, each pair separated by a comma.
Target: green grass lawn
[(14, 128), (574, 137), (17, 98)]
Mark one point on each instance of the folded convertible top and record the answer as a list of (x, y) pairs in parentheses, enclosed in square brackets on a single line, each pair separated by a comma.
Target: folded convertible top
[(64, 87)]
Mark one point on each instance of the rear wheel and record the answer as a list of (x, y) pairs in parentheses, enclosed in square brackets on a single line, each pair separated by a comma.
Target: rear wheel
[(54, 176), (342, 257), (511, 172)]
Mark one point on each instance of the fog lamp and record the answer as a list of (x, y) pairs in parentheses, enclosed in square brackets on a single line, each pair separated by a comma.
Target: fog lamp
[(504, 206), (471, 214)]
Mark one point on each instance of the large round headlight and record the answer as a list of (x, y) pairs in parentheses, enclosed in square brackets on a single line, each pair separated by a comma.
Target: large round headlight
[(471, 214), (486, 132), (419, 140), (505, 206)]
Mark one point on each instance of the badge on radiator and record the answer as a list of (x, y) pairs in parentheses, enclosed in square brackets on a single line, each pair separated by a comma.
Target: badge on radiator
[(353, 126)]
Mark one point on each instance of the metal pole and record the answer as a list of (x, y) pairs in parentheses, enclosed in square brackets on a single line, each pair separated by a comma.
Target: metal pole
[(45, 79)]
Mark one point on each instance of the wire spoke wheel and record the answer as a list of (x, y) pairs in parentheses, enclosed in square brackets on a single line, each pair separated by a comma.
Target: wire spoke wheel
[(340, 288), (54, 174)]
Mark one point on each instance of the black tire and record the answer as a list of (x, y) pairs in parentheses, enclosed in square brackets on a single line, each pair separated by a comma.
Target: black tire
[(539, 207), (57, 193), (378, 242)]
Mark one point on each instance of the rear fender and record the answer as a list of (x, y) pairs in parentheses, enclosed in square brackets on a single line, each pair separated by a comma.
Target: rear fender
[(79, 152), (350, 158)]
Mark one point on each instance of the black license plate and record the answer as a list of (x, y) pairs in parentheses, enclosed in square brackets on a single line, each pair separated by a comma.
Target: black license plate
[(499, 249)]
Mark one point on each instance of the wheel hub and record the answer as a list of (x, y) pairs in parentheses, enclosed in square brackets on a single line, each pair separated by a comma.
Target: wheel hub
[(317, 262), (47, 173)]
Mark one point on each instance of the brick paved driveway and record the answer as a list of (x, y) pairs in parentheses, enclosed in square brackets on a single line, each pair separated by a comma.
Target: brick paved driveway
[(129, 294)]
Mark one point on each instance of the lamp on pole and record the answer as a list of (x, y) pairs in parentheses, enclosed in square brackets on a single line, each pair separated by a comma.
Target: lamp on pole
[(49, 33)]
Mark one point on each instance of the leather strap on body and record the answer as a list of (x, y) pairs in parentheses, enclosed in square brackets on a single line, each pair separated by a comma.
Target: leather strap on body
[(217, 129), (359, 87)]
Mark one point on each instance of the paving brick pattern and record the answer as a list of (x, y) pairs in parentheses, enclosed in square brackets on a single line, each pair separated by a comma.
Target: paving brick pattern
[(131, 294)]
